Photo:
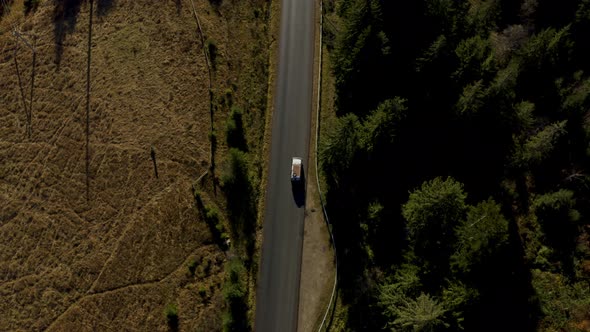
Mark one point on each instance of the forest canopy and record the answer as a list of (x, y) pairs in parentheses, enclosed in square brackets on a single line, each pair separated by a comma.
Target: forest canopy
[(466, 125)]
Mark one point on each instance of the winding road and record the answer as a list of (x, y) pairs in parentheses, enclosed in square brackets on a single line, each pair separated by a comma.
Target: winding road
[(278, 281)]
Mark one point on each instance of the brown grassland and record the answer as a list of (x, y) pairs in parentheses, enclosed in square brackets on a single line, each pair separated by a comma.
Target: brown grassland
[(116, 261)]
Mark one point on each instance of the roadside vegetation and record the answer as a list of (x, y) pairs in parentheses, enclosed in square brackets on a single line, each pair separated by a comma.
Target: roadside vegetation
[(458, 164)]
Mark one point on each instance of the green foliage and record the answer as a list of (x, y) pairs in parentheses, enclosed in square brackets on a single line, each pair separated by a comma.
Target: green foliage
[(578, 101), (202, 292), (504, 84), (524, 116), (341, 146), (359, 13), (237, 174), (543, 258), (234, 294), (171, 314), (423, 314), (432, 212), (362, 38), (236, 137), (228, 97), (433, 54), (456, 299), (381, 125), (234, 291), (407, 309), (555, 209), (493, 92), (559, 202), (406, 283), (558, 218), (241, 196), (481, 236), (483, 16), (563, 305), (192, 266), (545, 48), (475, 58), (212, 217), (472, 98), (540, 146)]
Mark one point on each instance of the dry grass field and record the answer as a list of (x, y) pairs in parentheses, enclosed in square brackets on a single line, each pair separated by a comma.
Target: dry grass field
[(114, 262)]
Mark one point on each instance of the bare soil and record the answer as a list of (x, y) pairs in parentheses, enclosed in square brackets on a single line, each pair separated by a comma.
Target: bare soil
[(115, 261)]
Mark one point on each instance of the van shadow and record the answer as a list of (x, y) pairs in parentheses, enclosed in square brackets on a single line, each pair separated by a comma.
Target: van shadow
[(298, 189)]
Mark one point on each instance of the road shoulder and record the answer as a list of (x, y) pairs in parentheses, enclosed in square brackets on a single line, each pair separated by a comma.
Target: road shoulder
[(317, 262)]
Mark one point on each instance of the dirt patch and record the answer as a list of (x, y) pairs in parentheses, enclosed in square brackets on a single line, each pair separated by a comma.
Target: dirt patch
[(317, 266), (116, 261)]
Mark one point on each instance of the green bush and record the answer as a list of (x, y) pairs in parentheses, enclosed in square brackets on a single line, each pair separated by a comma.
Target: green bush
[(562, 303), (433, 213), (236, 137), (192, 266), (234, 294), (198, 198), (213, 220), (481, 237), (171, 314), (228, 97), (212, 215)]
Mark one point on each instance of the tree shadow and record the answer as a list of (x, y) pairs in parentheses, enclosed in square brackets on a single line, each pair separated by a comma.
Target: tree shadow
[(65, 17), (104, 6), (505, 290), (178, 4), (236, 135)]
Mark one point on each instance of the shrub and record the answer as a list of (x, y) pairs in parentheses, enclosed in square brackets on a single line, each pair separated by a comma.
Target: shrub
[(236, 137), (198, 198), (234, 294), (212, 215), (171, 313), (562, 304), (192, 266), (228, 97), (213, 220)]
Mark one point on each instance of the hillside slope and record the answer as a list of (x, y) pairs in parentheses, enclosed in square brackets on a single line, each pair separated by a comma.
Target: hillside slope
[(116, 260)]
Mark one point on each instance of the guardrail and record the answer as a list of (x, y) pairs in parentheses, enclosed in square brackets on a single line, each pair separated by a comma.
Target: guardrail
[(317, 126)]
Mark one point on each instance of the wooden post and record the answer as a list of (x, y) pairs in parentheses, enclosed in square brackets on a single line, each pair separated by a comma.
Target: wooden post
[(88, 103), (153, 154)]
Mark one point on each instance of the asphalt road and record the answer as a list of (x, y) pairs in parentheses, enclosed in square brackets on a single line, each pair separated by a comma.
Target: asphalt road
[(278, 280)]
